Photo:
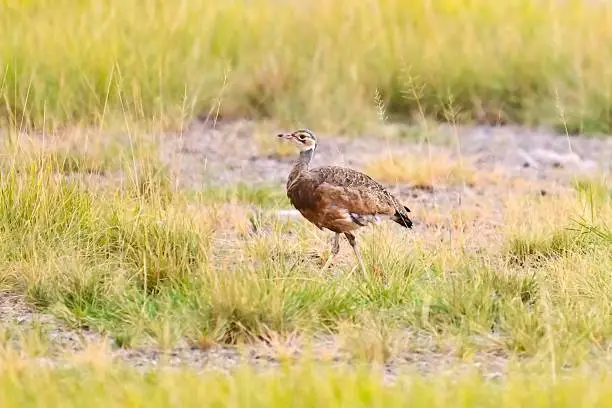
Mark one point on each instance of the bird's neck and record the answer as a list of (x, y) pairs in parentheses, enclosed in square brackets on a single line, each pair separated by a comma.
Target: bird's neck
[(301, 165)]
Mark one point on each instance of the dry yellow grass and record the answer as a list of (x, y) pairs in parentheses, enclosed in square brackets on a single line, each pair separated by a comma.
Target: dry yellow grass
[(422, 171)]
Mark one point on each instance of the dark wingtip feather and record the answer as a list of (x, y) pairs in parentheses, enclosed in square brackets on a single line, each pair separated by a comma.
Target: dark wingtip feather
[(402, 220)]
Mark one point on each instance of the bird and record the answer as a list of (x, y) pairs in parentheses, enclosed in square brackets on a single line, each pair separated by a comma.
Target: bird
[(338, 199)]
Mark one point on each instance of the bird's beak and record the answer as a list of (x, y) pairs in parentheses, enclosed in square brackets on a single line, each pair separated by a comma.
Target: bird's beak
[(285, 135)]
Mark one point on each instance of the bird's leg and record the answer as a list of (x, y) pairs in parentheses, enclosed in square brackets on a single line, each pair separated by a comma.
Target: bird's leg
[(335, 244), (334, 250), (353, 242)]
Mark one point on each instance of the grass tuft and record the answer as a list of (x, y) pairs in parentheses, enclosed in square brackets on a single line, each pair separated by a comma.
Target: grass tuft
[(519, 249), (422, 172)]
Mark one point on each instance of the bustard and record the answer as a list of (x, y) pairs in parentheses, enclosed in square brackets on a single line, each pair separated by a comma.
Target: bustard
[(338, 198)]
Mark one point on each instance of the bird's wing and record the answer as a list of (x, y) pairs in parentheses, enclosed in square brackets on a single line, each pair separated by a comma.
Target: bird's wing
[(355, 191)]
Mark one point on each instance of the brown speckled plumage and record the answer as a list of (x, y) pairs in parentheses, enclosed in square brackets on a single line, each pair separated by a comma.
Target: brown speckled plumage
[(338, 198)]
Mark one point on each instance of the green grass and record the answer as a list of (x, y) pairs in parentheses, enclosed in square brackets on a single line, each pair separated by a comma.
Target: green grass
[(243, 193), (144, 262), (46, 222), (94, 230), (98, 384), (165, 267), (533, 62)]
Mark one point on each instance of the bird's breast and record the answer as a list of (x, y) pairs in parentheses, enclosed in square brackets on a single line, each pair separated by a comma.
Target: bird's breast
[(301, 199)]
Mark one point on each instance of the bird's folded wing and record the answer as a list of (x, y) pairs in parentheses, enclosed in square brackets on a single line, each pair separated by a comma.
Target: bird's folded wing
[(357, 191), (355, 200)]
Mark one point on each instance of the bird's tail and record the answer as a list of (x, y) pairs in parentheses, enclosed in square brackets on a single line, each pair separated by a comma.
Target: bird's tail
[(401, 217)]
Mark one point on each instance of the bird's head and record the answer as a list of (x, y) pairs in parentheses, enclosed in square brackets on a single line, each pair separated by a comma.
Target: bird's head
[(303, 138)]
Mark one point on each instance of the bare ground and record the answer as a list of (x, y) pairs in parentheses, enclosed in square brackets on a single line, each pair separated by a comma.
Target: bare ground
[(227, 153), (536, 161)]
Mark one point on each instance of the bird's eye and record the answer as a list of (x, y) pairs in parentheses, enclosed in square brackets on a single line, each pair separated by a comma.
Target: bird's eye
[(302, 137)]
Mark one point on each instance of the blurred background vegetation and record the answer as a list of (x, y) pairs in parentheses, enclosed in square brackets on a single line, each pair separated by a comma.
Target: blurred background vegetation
[(335, 64)]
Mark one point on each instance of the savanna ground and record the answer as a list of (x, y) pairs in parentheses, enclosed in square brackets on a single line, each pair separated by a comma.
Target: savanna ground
[(149, 255)]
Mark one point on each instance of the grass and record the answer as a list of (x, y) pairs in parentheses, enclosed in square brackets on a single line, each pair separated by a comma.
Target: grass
[(90, 376), (422, 172), (140, 266), (243, 193), (149, 264), (95, 383), (90, 62), (95, 232)]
